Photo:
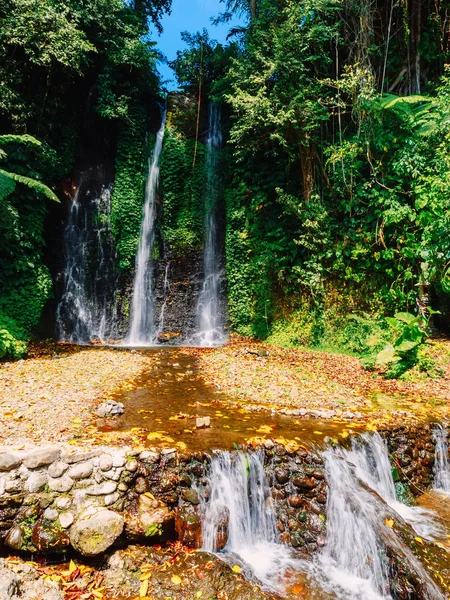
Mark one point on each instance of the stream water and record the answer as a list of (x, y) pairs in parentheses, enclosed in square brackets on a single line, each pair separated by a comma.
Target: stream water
[(441, 464)]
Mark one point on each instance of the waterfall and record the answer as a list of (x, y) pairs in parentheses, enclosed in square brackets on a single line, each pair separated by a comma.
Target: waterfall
[(209, 308), (441, 464), (370, 457), (240, 504), (87, 307), (142, 327), (354, 562)]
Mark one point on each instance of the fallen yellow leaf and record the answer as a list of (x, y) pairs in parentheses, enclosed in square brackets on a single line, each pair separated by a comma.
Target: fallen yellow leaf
[(175, 579), (143, 589), (236, 569), (389, 522)]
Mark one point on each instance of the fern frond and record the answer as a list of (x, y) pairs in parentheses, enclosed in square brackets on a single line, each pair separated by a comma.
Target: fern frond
[(32, 184), (26, 139), (7, 186)]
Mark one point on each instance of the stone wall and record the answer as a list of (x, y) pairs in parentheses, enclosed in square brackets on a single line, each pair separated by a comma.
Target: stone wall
[(52, 498)]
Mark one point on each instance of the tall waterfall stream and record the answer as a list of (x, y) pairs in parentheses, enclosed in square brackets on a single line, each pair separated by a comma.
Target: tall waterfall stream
[(142, 327)]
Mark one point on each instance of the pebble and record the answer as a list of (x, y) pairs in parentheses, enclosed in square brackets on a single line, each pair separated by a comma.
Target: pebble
[(66, 520), (111, 498), (36, 482), (81, 470), (148, 456), (131, 466), (50, 514), (118, 460), (110, 408), (63, 503)]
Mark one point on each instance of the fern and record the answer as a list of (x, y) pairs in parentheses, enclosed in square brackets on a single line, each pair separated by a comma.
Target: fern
[(27, 140), (31, 183), (7, 186)]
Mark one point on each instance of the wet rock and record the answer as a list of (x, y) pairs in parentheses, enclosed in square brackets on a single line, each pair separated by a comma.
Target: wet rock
[(188, 527), (191, 496), (47, 536), (142, 485), (148, 456), (15, 538), (41, 458), (95, 532), (304, 483), (296, 501), (109, 409), (9, 461), (282, 475)]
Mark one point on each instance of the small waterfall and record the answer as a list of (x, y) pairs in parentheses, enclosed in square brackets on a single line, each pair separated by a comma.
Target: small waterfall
[(441, 464), (142, 327), (87, 308), (354, 562), (241, 504), (210, 309), (353, 558)]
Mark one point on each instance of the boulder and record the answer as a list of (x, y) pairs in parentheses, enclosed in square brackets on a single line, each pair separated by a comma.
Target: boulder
[(110, 408), (95, 531)]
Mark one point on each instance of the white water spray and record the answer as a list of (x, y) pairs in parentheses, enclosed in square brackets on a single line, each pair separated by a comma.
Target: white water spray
[(142, 327), (441, 463), (87, 309), (166, 290), (209, 309), (241, 503)]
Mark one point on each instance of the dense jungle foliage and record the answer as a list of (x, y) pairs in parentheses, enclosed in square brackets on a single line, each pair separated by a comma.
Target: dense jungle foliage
[(335, 175)]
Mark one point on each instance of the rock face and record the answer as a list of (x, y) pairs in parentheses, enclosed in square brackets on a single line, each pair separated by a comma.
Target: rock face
[(95, 531)]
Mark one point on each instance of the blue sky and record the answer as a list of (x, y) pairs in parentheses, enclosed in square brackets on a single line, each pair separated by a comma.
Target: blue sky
[(192, 16)]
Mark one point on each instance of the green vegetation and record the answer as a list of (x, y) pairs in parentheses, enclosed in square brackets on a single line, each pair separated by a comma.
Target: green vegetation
[(335, 173)]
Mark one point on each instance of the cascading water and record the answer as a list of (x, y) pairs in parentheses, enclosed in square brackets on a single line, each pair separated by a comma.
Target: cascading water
[(354, 562), (210, 304), (241, 498), (142, 328), (370, 457), (87, 308), (441, 463)]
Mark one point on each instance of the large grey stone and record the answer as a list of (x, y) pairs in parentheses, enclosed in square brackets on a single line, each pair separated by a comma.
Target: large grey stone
[(51, 514), (92, 534), (110, 408), (61, 484), (9, 461), (109, 487), (36, 482), (80, 470), (57, 469), (41, 458)]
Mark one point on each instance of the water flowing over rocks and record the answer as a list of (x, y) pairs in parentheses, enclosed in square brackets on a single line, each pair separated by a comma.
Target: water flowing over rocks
[(95, 500)]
